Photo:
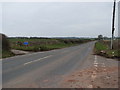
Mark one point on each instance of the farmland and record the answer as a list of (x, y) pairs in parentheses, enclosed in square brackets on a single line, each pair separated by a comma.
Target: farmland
[(43, 44), (103, 48)]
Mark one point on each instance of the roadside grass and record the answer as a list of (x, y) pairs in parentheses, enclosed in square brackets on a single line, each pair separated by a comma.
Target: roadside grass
[(36, 44), (45, 47), (44, 44), (103, 48), (100, 46), (6, 54)]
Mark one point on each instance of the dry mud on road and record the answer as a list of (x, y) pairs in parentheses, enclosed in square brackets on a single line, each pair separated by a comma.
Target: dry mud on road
[(19, 52), (102, 74)]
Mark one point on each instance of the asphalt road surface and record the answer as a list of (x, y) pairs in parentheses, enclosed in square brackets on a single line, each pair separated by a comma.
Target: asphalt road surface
[(45, 69)]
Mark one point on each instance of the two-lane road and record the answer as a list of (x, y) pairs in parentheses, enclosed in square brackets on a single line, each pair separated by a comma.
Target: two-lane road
[(44, 69)]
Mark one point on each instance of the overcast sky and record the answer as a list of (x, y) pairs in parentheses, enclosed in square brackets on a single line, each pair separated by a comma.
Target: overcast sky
[(50, 19)]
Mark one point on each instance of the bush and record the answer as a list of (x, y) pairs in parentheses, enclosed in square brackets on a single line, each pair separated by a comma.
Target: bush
[(5, 42), (44, 48), (5, 47)]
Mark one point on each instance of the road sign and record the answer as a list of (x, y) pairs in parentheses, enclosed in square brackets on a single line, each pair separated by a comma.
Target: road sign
[(25, 43)]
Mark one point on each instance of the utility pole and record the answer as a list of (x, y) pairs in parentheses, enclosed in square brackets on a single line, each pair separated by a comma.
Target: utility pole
[(113, 24)]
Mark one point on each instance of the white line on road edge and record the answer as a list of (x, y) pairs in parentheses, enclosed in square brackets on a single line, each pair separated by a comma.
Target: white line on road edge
[(95, 57), (94, 74), (37, 60), (95, 62)]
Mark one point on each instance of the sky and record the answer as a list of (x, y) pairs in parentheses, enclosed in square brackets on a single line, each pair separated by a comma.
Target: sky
[(119, 19), (56, 19)]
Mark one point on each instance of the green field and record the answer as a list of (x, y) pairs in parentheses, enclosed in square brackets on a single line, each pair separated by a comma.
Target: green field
[(43, 44), (103, 48), (37, 44)]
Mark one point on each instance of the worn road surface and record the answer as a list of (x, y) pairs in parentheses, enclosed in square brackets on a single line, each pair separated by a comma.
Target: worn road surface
[(52, 69)]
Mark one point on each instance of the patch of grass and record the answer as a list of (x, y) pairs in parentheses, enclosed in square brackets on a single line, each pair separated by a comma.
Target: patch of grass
[(112, 53), (103, 48), (42, 47), (44, 44), (100, 46), (6, 54)]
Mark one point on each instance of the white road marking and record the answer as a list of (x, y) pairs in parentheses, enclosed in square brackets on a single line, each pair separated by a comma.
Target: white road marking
[(95, 65), (95, 57), (94, 74), (95, 62), (37, 60)]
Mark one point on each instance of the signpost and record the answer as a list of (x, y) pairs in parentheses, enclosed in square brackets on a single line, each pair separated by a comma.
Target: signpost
[(113, 24), (26, 43)]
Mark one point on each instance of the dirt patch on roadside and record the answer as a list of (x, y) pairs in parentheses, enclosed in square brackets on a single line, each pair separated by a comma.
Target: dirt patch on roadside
[(19, 52), (101, 77)]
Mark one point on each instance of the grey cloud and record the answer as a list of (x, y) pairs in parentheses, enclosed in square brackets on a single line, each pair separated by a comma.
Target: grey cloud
[(57, 19)]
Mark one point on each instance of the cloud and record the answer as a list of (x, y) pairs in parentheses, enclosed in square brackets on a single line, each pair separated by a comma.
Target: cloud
[(57, 19)]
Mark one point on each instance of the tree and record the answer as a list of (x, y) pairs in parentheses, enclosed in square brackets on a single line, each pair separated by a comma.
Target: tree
[(100, 37), (105, 38)]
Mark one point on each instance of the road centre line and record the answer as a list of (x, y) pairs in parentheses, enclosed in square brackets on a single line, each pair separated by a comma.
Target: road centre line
[(37, 60)]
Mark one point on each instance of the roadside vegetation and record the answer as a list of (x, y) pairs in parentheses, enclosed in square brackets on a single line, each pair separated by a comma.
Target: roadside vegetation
[(43, 44), (35, 44), (102, 47), (5, 50)]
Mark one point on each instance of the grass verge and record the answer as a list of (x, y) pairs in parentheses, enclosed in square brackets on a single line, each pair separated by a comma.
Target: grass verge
[(6, 54), (44, 44), (39, 44), (103, 48)]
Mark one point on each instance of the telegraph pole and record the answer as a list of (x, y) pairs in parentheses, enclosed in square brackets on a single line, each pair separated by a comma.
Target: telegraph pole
[(113, 24)]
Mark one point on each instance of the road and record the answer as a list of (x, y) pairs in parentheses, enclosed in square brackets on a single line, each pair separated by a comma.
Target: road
[(45, 69)]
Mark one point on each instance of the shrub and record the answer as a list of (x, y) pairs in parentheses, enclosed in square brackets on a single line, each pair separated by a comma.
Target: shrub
[(5, 42), (44, 48), (5, 47)]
